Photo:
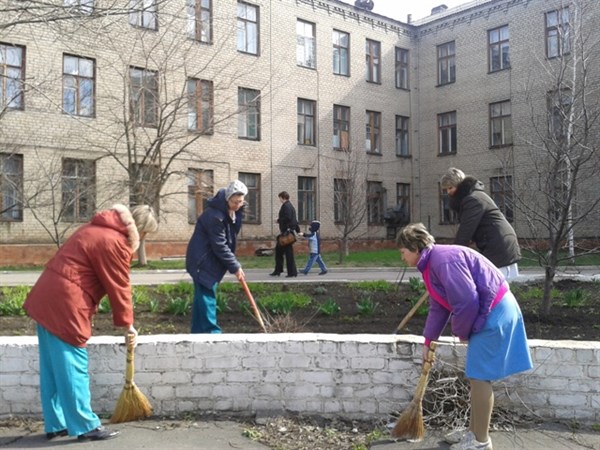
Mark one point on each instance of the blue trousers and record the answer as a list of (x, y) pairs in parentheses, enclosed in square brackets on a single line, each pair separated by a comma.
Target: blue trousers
[(204, 310), (311, 261), (64, 386)]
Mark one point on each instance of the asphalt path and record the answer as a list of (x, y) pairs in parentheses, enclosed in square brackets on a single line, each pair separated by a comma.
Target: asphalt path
[(393, 275)]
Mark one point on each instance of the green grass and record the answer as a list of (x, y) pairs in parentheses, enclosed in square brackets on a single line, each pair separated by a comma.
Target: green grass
[(12, 299), (374, 286), (284, 302), (329, 307)]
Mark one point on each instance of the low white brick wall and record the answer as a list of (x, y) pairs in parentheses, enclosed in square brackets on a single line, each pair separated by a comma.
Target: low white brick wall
[(350, 376)]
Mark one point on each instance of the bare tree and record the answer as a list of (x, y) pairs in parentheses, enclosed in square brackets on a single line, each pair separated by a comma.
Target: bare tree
[(558, 197)]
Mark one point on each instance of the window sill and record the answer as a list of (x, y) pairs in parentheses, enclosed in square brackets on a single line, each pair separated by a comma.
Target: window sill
[(447, 154), (403, 156), (495, 147), (374, 153)]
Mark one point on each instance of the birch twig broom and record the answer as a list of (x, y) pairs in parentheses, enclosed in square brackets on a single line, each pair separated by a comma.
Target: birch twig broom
[(132, 404)]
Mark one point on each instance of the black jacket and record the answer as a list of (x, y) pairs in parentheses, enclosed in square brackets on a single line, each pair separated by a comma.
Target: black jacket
[(287, 217), (482, 222)]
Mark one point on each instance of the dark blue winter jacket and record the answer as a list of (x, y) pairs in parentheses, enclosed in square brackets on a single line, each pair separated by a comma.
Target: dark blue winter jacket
[(211, 250)]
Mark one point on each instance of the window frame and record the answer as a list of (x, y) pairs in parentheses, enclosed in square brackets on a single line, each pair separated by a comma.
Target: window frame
[(253, 198), (402, 68), (306, 45), (138, 107), (498, 45), (140, 177), (447, 215), (81, 6), (11, 187), (307, 199), (248, 109), (340, 51), (375, 203), (306, 113), (245, 29), (201, 185), (446, 59), (5, 78), (502, 193), (139, 13), (200, 107), (373, 61), (196, 20), (502, 119), (403, 198), (451, 128), (402, 141), (341, 127), (559, 103), (558, 33), (77, 85), (373, 132), (341, 204), (82, 191)]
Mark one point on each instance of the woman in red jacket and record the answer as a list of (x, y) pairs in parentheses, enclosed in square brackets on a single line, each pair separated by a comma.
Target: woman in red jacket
[(92, 263)]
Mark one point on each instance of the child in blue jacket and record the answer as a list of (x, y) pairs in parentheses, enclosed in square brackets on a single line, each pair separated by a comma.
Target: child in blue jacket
[(314, 248)]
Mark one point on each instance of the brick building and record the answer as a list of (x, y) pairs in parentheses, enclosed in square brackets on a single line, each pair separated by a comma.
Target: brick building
[(351, 112)]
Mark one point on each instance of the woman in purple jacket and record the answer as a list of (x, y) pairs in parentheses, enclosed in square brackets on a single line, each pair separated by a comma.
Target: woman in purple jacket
[(466, 289)]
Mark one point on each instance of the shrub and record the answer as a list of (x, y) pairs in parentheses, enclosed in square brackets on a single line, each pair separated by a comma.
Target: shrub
[(179, 306), (329, 307), (12, 299), (367, 307)]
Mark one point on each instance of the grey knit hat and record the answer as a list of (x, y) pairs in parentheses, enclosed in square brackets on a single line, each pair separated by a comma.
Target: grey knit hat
[(235, 187)]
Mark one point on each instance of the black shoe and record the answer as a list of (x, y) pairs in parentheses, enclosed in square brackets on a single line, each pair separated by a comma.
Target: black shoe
[(291, 276), (99, 434), (274, 274), (323, 272), (53, 434)]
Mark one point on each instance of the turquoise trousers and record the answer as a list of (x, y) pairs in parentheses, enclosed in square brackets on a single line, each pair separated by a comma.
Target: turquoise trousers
[(64, 386), (204, 310)]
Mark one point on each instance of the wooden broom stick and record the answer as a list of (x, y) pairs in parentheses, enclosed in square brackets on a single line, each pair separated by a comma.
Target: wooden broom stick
[(412, 312), (132, 404), (257, 313), (410, 425)]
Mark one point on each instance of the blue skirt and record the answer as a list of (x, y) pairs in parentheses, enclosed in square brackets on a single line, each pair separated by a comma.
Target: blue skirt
[(500, 349)]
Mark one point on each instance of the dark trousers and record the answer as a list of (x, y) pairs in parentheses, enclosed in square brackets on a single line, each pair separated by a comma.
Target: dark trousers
[(288, 252)]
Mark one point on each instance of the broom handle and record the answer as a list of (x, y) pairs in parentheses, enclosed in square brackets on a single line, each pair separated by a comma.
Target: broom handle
[(412, 311), (425, 372), (130, 366), (257, 313)]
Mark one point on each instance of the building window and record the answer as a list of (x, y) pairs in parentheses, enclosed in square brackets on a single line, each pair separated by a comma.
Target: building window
[(373, 61), (249, 114), (341, 127), (200, 189), (373, 132), (502, 194), (401, 68), (447, 133), (81, 6), (341, 53), (340, 200), (144, 96), (558, 32), (305, 44), (402, 148), (12, 75), (78, 189), (375, 202), (252, 208), (559, 108), (403, 201), (446, 63), (199, 20), (142, 13), (146, 187), (500, 124), (447, 215), (498, 49), (11, 187), (200, 105), (78, 85), (247, 28), (307, 199), (306, 122)]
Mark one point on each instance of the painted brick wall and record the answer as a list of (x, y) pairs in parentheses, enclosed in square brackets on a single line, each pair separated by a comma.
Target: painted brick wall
[(359, 376)]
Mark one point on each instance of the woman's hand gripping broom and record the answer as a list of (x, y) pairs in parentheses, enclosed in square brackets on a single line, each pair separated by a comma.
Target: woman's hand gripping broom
[(132, 404), (410, 425)]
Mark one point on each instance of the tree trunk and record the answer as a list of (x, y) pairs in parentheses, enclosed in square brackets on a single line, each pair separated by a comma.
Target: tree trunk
[(550, 271), (142, 260)]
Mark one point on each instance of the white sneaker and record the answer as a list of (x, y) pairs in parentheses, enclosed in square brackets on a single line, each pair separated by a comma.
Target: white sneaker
[(470, 443), (455, 436)]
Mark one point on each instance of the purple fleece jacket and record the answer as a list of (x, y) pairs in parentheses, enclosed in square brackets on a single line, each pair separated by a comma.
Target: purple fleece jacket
[(461, 283)]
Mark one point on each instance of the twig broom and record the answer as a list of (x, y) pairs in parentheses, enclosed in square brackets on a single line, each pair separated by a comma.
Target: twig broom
[(132, 404), (410, 425)]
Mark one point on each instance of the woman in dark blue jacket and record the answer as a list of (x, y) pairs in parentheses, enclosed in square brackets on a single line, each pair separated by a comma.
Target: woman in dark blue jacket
[(211, 253)]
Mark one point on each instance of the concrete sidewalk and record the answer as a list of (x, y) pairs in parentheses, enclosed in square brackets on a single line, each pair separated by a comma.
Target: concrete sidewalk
[(227, 435)]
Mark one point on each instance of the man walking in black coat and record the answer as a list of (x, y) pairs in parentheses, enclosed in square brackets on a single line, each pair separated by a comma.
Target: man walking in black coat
[(287, 220)]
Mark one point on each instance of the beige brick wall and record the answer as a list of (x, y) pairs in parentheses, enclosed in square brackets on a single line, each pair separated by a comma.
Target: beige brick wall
[(115, 45)]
